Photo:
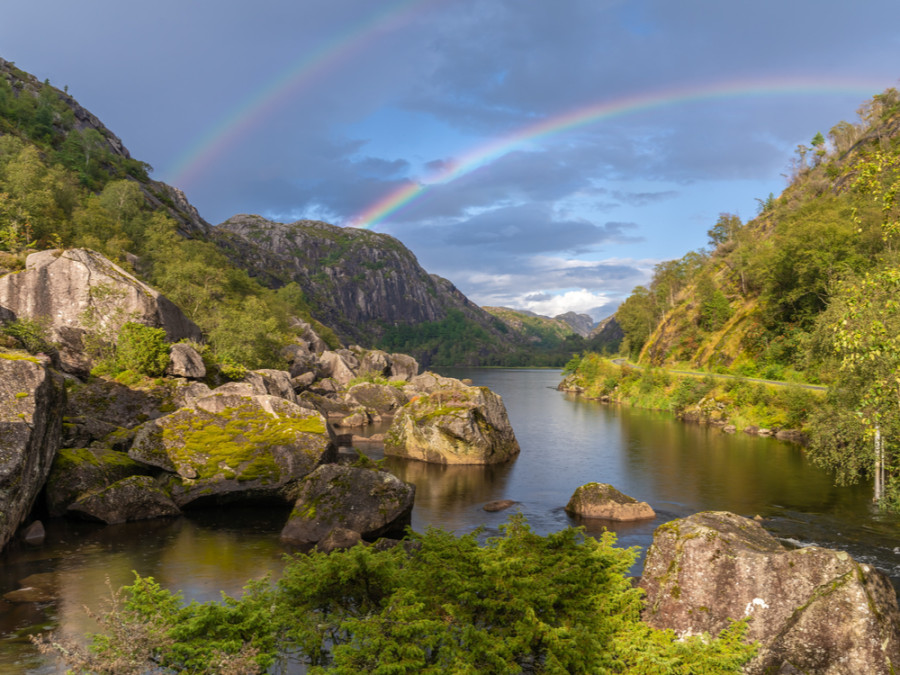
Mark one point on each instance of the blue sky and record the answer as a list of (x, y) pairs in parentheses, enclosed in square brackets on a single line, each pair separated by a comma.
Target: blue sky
[(355, 99)]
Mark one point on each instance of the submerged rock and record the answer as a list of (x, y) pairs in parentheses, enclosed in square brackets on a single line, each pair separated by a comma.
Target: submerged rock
[(373, 503), (454, 424), (601, 500), (813, 610), (32, 402)]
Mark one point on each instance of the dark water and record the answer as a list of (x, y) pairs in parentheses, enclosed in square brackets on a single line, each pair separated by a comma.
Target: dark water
[(566, 442)]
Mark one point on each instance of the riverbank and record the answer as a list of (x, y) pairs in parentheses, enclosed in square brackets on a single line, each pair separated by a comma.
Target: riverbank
[(733, 404)]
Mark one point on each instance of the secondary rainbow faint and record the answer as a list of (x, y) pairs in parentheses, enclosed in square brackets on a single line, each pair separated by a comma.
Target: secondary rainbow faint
[(312, 65), (599, 111)]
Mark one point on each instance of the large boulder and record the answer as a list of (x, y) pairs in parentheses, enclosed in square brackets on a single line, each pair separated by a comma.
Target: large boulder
[(375, 363), (403, 367), (383, 399), (453, 425), (272, 382), (78, 291), (373, 503), (233, 447), (185, 361), (32, 403), (77, 471), (336, 366), (601, 500), (133, 498), (813, 610)]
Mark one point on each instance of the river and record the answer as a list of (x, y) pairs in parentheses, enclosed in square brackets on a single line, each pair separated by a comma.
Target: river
[(566, 441)]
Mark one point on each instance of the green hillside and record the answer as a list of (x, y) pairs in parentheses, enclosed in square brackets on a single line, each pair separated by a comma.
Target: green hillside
[(806, 291)]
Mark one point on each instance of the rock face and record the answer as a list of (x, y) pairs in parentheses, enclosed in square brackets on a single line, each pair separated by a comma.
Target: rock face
[(78, 471), (32, 401), (133, 498), (373, 503), (79, 292), (454, 424), (601, 500), (582, 324), (359, 281), (235, 447), (813, 610)]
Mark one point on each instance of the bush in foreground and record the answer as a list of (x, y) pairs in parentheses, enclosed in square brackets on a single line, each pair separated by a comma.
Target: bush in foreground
[(521, 603)]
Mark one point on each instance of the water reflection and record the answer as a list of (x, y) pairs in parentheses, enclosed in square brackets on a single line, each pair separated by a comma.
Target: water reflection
[(566, 441)]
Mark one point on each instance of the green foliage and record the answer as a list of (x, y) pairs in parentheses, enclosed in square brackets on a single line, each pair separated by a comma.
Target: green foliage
[(32, 334), (142, 349), (520, 603)]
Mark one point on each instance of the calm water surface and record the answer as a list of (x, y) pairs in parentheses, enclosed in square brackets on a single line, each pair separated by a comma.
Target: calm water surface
[(566, 441)]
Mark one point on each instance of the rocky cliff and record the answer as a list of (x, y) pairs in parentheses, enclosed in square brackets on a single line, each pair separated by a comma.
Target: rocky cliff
[(358, 282)]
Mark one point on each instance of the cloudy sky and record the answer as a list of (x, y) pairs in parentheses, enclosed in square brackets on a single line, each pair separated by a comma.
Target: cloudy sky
[(540, 154)]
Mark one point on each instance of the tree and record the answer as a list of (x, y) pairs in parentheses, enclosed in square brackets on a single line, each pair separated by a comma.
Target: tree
[(725, 229), (637, 316)]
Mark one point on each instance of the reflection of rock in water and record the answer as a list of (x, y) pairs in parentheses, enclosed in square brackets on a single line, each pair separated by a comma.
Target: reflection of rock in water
[(450, 487)]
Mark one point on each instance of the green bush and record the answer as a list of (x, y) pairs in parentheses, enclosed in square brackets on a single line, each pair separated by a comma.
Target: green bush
[(142, 349), (520, 603), (32, 334)]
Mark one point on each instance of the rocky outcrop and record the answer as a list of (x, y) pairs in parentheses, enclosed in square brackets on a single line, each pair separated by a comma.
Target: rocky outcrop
[(133, 498), (381, 399), (232, 447), (373, 503), (453, 424), (32, 402), (79, 471), (813, 610), (79, 292), (601, 500), (582, 324)]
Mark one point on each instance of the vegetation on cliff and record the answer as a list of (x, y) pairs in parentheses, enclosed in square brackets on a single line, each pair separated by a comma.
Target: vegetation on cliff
[(806, 291)]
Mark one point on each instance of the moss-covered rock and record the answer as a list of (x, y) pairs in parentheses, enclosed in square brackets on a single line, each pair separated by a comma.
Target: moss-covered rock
[(453, 425), (235, 447), (380, 398), (132, 498), (32, 403), (601, 500), (813, 610), (373, 503), (77, 471)]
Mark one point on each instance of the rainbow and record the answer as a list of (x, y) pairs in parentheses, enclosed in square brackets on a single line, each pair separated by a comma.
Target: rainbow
[(596, 112), (270, 96)]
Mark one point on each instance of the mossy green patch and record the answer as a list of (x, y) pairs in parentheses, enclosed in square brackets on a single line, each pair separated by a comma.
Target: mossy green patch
[(237, 442)]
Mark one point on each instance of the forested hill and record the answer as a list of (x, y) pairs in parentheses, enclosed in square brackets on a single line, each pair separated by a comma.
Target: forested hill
[(68, 181), (807, 290)]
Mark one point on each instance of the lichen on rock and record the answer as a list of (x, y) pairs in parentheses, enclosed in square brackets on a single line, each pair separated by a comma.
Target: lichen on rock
[(601, 500)]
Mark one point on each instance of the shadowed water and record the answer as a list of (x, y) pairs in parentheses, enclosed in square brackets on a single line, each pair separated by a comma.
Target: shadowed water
[(566, 441)]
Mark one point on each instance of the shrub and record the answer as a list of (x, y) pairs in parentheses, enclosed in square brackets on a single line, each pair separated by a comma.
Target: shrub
[(32, 334), (142, 349)]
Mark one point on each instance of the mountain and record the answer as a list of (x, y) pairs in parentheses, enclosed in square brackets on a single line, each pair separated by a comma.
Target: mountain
[(582, 324), (68, 181)]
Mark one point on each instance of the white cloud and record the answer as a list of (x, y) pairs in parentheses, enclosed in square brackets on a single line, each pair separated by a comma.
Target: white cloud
[(580, 301)]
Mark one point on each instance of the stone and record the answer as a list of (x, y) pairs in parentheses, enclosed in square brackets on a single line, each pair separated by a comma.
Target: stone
[(235, 448), (383, 399), (429, 383), (32, 404), (337, 539), (601, 500), (34, 534), (132, 498), (272, 382), (303, 381), (358, 418), (373, 503), (375, 363), (77, 471), (813, 610), (499, 505), (403, 367), (335, 366), (185, 361), (453, 425), (80, 291)]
